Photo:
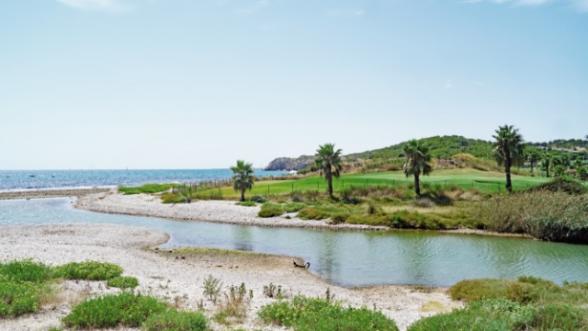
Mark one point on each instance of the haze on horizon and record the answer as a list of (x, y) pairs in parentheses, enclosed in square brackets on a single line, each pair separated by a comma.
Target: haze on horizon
[(107, 84)]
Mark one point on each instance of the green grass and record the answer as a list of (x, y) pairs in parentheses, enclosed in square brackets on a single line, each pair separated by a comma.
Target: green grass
[(123, 282), (25, 271), (89, 270), (482, 181), (247, 203), (114, 310), (312, 314), (173, 320), (146, 188)]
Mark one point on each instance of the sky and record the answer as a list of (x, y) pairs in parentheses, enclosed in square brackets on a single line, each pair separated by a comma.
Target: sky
[(114, 84)]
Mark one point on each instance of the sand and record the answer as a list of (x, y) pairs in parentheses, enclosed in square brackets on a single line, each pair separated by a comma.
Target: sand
[(178, 276), (220, 211)]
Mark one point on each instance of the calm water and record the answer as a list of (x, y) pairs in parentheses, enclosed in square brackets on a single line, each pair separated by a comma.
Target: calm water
[(36, 179), (347, 258)]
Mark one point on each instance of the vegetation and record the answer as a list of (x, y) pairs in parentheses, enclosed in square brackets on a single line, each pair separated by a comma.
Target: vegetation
[(146, 189), (418, 162), (123, 282), (328, 160), (270, 210), (313, 314), (508, 150), (234, 308), (19, 297), (527, 303), (173, 320), (89, 270), (114, 310), (212, 288), (545, 215), (243, 177)]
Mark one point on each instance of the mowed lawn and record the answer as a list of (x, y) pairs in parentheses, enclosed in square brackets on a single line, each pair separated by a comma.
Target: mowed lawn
[(483, 181)]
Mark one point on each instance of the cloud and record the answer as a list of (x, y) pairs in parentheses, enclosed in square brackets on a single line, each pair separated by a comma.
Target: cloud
[(98, 5), (578, 5)]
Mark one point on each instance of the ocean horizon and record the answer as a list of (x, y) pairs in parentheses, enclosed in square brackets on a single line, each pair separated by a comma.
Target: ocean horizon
[(54, 179)]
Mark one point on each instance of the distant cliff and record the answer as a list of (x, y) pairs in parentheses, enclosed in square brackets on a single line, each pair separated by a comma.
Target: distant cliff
[(289, 163)]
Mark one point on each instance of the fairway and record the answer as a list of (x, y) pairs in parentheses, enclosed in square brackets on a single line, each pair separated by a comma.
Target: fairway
[(483, 181)]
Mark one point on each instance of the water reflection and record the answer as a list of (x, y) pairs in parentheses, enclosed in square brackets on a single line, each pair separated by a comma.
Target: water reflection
[(348, 258)]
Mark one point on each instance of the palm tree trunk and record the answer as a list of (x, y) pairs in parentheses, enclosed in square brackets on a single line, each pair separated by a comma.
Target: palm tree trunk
[(508, 179), (532, 168), (417, 185), (242, 195)]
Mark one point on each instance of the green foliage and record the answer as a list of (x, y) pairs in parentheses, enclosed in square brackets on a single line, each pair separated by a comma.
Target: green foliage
[(18, 298), (328, 161), (562, 184), (479, 289), (89, 270), (488, 315), (543, 215), (247, 203), (172, 320), (146, 188), (114, 310), (309, 314), (270, 210), (293, 207), (418, 161), (123, 282), (25, 271), (234, 307), (243, 177)]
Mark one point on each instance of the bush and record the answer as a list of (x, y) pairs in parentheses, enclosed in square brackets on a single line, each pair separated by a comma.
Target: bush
[(18, 298), (212, 288), (487, 315), (173, 320), (308, 314), (479, 289), (270, 210), (123, 282), (89, 270), (25, 271), (258, 199), (562, 184), (110, 311), (544, 215)]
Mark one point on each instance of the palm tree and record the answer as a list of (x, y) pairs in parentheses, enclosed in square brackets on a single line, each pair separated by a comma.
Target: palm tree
[(417, 162), (546, 164), (508, 149), (328, 160), (243, 177)]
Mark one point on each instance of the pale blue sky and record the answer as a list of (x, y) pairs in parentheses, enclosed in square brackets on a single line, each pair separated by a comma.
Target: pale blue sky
[(195, 84)]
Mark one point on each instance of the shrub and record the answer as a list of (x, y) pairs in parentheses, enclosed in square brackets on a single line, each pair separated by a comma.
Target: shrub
[(544, 215), (211, 288), (89, 270), (109, 311), (234, 308), (486, 315), (270, 210), (562, 184), (172, 320), (25, 271), (123, 282), (560, 317), (479, 289), (18, 298), (404, 219), (258, 199), (308, 314)]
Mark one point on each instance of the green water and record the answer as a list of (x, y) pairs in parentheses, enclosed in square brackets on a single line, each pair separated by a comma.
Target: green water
[(348, 258)]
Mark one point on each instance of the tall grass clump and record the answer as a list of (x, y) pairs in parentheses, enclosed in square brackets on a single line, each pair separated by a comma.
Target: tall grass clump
[(146, 188), (313, 314), (19, 298), (554, 216), (114, 310)]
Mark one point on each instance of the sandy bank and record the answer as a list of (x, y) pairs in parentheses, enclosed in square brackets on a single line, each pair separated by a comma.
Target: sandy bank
[(179, 280), (51, 193), (204, 210)]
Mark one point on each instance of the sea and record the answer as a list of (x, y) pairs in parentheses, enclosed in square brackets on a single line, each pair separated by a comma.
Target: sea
[(53, 179)]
